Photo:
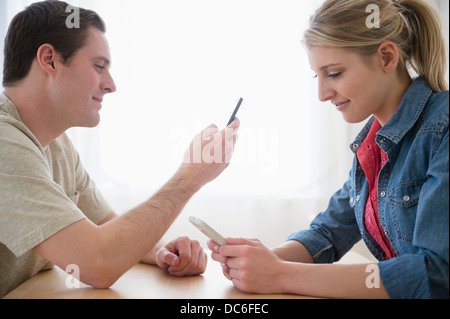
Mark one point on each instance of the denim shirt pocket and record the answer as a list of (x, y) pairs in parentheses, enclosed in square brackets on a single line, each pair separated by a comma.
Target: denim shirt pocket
[(403, 200)]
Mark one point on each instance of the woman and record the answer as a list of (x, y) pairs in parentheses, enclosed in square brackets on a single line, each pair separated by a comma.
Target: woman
[(396, 197)]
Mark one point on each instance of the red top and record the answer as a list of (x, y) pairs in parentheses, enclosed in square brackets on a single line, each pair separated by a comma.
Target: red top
[(372, 159)]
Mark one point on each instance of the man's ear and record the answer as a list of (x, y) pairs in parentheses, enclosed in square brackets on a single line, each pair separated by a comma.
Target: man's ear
[(388, 56), (46, 57)]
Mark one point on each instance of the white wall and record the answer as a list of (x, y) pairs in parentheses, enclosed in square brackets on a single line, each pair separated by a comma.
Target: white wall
[(189, 83)]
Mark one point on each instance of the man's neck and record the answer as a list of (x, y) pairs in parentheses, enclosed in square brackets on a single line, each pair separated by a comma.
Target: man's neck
[(35, 111)]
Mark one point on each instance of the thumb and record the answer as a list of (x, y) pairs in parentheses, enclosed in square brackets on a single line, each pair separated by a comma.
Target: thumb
[(242, 241), (168, 258)]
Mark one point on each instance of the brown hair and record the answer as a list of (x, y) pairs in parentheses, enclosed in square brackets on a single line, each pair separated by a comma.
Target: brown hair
[(412, 25), (44, 23)]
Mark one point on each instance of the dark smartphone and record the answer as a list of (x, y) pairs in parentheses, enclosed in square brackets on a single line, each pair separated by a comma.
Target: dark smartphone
[(235, 111)]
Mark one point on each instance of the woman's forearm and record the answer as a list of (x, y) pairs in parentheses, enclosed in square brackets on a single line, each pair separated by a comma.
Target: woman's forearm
[(293, 251), (333, 280)]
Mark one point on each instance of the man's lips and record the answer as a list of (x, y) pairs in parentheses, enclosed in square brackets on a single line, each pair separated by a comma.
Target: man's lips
[(98, 99)]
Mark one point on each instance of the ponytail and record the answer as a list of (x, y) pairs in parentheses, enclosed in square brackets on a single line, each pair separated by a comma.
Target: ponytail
[(428, 54), (412, 25)]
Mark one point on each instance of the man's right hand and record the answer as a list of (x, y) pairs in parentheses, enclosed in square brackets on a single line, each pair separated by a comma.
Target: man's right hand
[(103, 253), (209, 154)]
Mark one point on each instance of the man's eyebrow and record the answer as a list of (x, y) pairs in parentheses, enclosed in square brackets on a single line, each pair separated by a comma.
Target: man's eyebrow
[(329, 65)]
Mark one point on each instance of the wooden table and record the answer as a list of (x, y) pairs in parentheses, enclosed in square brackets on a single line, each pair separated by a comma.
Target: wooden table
[(144, 282)]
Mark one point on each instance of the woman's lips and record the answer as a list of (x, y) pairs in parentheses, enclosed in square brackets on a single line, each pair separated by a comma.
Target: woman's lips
[(340, 106)]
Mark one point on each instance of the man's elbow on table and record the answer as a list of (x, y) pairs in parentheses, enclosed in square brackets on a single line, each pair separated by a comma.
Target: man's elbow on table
[(82, 245), (100, 276)]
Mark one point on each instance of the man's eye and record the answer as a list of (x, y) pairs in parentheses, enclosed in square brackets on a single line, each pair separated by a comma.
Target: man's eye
[(100, 67)]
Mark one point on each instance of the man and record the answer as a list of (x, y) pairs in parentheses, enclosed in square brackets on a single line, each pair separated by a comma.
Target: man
[(55, 78)]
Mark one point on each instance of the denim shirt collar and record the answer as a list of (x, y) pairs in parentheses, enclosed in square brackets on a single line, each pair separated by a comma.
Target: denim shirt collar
[(403, 120)]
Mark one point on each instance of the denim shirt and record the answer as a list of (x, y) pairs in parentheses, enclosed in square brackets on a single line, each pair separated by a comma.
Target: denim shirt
[(413, 200)]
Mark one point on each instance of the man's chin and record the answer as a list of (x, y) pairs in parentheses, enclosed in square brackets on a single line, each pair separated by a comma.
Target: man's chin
[(90, 123)]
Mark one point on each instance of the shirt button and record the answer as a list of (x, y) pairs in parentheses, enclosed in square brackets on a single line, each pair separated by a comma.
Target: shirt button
[(383, 194), (382, 140), (406, 198), (355, 146), (358, 198)]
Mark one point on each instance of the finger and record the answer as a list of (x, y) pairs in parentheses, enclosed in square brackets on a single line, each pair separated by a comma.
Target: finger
[(217, 257), (235, 263), (166, 259), (212, 245), (238, 247), (243, 241), (196, 264), (212, 127), (235, 273), (235, 124), (230, 133), (183, 248), (244, 286), (202, 263), (226, 271), (209, 132)]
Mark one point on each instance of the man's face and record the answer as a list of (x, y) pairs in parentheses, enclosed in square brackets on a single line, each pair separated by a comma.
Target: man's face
[(80, 84)]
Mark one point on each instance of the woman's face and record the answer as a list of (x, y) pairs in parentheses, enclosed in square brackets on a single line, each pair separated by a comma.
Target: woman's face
[(357, 86)]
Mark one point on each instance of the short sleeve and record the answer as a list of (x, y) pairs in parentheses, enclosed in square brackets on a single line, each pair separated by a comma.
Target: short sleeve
[(76, 180), (33, 207)]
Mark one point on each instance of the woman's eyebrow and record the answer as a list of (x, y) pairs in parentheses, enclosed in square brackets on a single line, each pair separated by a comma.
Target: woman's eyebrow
[(329, 65)]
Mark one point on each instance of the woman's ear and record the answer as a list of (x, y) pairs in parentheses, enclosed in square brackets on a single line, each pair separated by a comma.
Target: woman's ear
[(46, 56), (388, 56)]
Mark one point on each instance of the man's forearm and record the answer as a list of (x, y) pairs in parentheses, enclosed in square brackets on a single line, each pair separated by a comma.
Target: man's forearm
[(104, 252), (130, 237), (150, 257)]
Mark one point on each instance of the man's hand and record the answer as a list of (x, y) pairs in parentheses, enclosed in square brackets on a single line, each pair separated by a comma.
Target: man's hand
[(182, 257), (132, 237), (209, 154)]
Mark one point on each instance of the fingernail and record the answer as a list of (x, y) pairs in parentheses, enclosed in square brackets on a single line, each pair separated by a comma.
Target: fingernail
[(216, 249)]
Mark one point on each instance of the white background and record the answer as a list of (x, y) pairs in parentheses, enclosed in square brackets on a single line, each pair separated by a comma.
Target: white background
[(181, 65)]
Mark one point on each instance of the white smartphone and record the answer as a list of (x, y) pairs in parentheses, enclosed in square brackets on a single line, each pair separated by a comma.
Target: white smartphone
[(208, 230)]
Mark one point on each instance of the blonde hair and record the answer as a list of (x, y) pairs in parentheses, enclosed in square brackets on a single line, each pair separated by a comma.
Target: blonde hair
[(412, 25)]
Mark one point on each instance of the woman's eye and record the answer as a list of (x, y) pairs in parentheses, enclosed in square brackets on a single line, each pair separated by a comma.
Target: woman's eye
[(334, 75)]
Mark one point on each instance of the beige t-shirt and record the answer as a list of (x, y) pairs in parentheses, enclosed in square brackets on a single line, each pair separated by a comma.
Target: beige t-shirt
[(42, 191)]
